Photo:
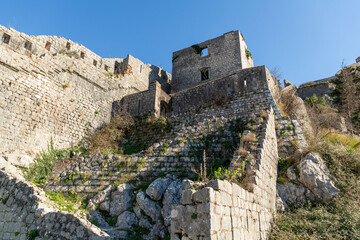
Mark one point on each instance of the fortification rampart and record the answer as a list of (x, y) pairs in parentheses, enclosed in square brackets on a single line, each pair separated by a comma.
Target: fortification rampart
[(224, 210), (245, 82), (320, 88), (253, 88), (51, 91)]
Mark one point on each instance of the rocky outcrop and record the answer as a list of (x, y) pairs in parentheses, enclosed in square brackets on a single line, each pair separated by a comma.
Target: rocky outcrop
[(133, 208), (122, 199), (313, 182), (315, 176), (295, 107)]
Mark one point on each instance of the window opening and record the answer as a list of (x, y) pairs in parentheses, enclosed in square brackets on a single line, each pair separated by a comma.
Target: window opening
[(82, 55), (47, 46), (204, 52), (68, 46), (27, 45), (204, 74), (5, 38), (95, 63)]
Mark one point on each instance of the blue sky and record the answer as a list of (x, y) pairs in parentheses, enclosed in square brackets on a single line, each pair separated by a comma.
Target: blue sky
[(307, 40)]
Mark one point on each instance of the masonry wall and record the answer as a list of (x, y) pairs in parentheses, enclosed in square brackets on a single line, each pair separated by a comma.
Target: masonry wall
[(224, 210), (319, 89), (252, 86), (225, 56), (146, 102), (24, 207), (55, 93)]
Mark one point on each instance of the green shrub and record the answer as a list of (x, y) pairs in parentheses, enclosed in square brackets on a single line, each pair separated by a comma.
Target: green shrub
[(67, 202), (197, 49), (314, 101), (39, 171), (225, 174), (33, 234), (109, 219), (248, 53)]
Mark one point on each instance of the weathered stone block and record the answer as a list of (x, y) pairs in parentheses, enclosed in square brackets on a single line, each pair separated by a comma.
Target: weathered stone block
[(187, 196)]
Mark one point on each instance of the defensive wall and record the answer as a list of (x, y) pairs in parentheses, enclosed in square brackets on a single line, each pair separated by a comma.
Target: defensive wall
[(205, 115), (54, 88), (320, 88), (25, 210), (224, 210)]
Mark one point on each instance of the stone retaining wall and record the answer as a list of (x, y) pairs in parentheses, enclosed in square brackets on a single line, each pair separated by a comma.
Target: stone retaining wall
[(24, 208), (224, 210)]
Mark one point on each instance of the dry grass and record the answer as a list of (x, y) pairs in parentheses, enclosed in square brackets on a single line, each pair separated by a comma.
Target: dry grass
[(250, 137), (109, 137), (339, 219)]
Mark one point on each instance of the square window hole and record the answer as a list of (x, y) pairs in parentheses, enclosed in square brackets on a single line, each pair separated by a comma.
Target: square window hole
[(27, 45), (95, 63), (47, 46), (204, 52), (82, 55), (5, 38), (106, 68), (68, 45), (204, 74)]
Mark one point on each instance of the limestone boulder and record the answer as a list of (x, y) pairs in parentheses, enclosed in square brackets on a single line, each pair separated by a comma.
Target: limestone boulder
[(157, 188), (150, 207), (281, 206), (144, 222), (96, 216), (101, 196), (105, 206), (290, 173), (172, 196), (121, 199), (126, 220), (293, 193), (295, 106), (158, 231), (186, 184), (315, 175)]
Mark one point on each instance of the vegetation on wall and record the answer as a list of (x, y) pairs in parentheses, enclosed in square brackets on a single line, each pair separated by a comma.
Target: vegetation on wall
[(128, 135), (248, 53), (197, 49), (39, 171), (312, 84)]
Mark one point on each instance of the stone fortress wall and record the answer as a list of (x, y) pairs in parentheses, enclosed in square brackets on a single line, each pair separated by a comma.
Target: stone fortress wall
[(320, 88), (24, 208), (230, 72), (63, 94), (224, 210), (51, 87)]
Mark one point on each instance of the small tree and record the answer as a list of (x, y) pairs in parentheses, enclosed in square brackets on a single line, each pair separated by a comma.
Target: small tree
[(346, 93)]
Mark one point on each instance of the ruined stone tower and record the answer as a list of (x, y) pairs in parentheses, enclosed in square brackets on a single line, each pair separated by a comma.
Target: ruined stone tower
[(210, 60)]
